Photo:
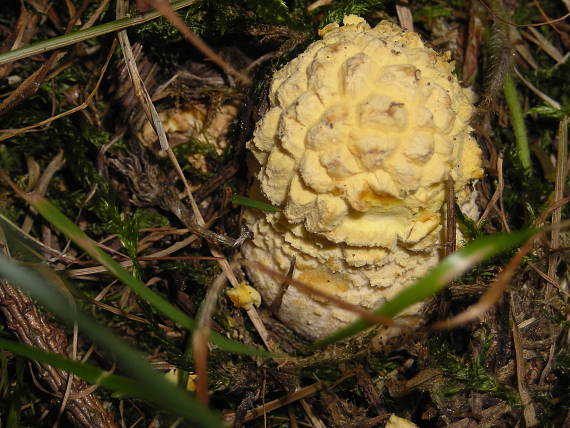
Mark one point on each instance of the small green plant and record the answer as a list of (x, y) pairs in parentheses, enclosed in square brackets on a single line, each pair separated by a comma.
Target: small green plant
[(470, 375)]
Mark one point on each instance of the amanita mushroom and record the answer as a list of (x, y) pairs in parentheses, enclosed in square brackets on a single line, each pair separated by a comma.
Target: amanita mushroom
[(363, 129)]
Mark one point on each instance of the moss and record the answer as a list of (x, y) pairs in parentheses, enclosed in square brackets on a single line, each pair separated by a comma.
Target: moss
[(429, 12), (270, 11), (339, 9), (216, 19), (554, 82), (164, 33), (381, 364), (193, 147), (555, 402), (196, 276), (525, 194), (467, 375)]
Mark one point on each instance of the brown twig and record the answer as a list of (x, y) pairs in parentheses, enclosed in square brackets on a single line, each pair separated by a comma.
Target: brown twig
[(549, 279), (93, 18), (473, 44), (41, 188), (287, 399), (201, 335), (501, 208), (29, 86), (514, 24), (405, 15), (370, 391), (559, 187), (450, 222), (546, 17), (315, 420), (496, 195), (492, 295), (167, 12), (307, 288), (25, 29), (12, 133), (529, 412), (276, 304)]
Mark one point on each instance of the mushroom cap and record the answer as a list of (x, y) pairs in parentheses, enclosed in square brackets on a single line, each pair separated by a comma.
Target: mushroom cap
[(362, 131)]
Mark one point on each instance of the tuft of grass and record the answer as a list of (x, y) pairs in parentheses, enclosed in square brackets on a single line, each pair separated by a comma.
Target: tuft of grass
[(153, 386), (66, 226)]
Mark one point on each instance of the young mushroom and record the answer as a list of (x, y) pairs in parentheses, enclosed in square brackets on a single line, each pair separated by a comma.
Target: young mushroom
[(362, 132)]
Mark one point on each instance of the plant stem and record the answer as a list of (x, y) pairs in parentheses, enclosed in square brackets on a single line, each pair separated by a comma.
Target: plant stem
[(81, 35), (517, 121)]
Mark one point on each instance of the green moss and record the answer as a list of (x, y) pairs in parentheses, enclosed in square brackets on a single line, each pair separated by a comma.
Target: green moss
[(198, 276), (162, 32), (339, 9), (216, 19), (429, 12), (270, 11), (525, 194), (467, 375), (554, 82), (468, 227), (193, 147)]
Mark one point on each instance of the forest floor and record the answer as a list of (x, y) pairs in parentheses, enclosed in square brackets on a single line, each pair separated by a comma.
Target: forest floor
[(110, 118)]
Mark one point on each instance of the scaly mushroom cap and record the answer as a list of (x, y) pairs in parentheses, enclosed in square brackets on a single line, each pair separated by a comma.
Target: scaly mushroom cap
[(363, 129)]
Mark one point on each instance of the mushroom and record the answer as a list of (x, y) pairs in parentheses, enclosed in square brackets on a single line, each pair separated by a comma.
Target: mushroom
[(363, 129), (194, 123)]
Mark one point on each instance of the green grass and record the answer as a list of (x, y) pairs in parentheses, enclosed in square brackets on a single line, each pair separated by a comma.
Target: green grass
[(449, 269)]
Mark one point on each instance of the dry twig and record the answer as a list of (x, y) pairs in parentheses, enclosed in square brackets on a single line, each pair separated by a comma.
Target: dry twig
[(528, 406), (12, 133), (358, 310), (559, 187), (299, 394), (492, 295), (168, 12)]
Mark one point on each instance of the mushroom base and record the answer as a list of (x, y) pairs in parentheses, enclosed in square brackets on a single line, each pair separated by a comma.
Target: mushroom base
[(326, 269)]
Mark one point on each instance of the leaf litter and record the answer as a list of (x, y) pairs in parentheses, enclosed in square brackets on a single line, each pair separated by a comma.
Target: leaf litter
[(505, 361)]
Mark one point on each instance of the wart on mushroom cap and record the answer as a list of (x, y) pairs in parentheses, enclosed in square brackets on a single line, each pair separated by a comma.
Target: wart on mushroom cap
[(363, 129)]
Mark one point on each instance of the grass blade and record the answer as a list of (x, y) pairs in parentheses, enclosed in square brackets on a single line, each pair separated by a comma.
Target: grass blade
[(81, 35), (87, 372), (155, 388), (252, 203), (450, 268), (69, 229), (517, 121)]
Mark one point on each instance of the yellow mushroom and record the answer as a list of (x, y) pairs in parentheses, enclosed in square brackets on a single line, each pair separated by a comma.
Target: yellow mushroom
[(397, 422), (244, 296), (362, 131)]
